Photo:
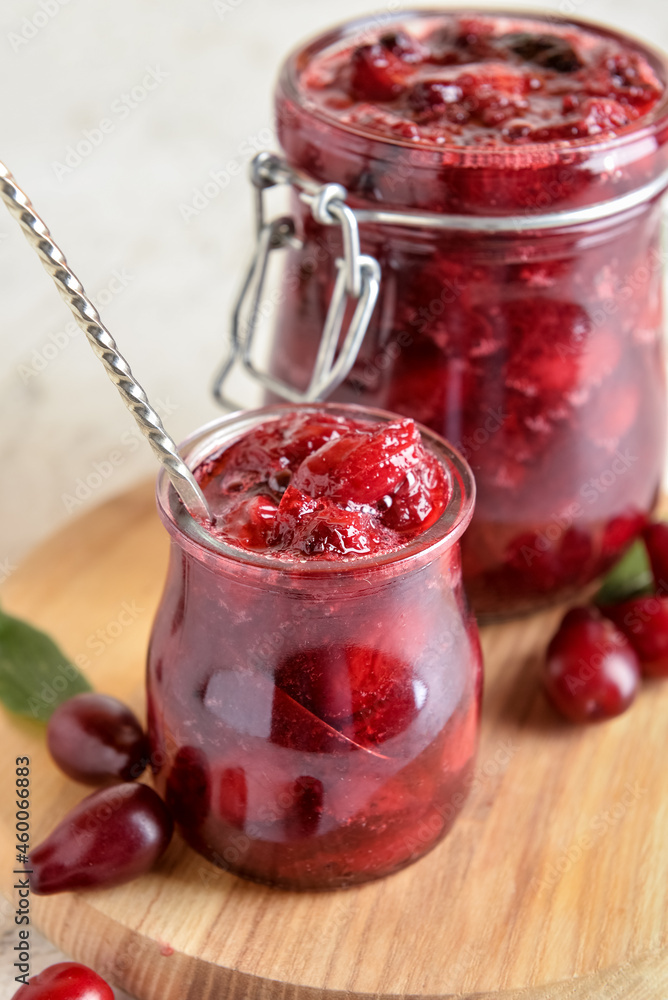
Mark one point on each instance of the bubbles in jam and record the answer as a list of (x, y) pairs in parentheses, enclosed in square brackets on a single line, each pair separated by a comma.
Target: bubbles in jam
[(484, 81), (315, 484)]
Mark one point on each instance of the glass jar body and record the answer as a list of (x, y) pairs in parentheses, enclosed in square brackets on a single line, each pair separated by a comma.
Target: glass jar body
[(541, 359), (539, 354), (313, 733)]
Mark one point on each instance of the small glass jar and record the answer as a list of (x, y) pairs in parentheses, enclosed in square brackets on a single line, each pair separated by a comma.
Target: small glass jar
[(315, 722), (537, 352)]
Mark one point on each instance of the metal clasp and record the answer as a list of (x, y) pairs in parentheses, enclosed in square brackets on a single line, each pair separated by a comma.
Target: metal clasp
[(357, 280), (358, 276)]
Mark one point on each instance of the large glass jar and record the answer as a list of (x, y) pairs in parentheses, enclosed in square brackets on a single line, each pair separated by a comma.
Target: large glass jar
[(537, 352), (314, 722)]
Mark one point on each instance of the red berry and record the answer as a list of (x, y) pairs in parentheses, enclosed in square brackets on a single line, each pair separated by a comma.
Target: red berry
[(494, 80), (591, 669), (112, 836), (436, 96), (252, 521), (95, 739), (361, 468), (548, 51), (656, 542), (188, 792), (233, 796), (644, 622), (65, 981), (318, 526), (619, 532), (549, 340), (418, 501), (548, 565), (377, 73), (367, 696), (401, 44)]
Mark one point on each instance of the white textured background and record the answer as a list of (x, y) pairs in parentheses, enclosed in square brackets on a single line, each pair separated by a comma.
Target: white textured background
[(119, 212)]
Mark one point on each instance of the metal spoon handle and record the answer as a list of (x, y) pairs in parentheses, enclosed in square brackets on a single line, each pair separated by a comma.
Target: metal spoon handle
[(104, 345)]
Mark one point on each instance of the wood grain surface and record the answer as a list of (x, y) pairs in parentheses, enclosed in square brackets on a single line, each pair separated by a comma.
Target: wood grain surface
[(552, 883)]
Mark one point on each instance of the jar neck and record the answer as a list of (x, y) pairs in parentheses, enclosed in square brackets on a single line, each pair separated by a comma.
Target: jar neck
[(378, 169), (397, 178), (615, 211), (272, 572)]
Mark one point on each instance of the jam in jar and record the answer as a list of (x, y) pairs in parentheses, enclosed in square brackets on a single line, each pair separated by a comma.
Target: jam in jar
[(527, 329), (314, 672)]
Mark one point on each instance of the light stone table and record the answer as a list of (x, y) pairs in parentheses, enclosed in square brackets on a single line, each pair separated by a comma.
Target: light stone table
[(184, 87)]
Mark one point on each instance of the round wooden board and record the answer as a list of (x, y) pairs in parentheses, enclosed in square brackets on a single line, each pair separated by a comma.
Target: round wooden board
[(552, 883)]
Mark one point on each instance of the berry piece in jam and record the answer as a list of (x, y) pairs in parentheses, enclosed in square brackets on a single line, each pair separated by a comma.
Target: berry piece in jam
[(551, 565), (368, 698), (411, 507), (321, 527), (316, 485), (399, 43), (434, 98), (377, 74), (253, 521), (547, 343), (591, 669), (364, 467), (548, 51)]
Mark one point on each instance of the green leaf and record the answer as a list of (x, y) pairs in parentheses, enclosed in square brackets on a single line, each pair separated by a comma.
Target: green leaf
[(35, 676), (630, 577)]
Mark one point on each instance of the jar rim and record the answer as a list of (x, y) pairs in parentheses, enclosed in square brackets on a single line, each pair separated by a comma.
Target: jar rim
[(505, 157), (209, 440)]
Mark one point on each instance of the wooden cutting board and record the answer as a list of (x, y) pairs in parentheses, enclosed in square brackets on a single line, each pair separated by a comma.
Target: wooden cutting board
[(552, 883)]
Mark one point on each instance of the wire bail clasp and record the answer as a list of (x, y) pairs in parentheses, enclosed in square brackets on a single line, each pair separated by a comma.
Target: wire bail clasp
[(357, 280)]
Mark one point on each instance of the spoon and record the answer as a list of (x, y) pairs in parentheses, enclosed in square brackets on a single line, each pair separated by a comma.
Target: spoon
[(104, 346)]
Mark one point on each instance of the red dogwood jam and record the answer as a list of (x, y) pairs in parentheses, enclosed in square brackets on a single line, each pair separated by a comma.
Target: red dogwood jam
[(314, 672), (520, 305)]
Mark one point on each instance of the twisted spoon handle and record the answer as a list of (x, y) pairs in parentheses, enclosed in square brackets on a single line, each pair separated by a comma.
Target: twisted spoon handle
[(104, 345)]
